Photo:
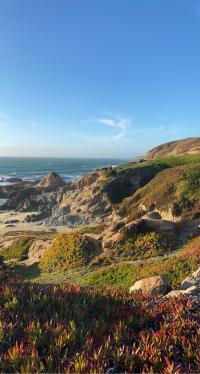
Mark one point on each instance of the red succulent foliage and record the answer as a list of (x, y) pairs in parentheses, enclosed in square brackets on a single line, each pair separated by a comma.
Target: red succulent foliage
[(71, 329)]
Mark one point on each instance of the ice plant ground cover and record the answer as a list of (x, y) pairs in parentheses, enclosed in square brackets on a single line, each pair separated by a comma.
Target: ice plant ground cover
[(71, 329)]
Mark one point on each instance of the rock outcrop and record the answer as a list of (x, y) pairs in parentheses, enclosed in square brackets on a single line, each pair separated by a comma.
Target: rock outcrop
[(51, 182)]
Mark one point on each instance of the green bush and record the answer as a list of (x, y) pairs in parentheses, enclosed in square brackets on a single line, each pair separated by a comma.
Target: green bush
[(68, 251), (19, 249), (101, 260), (141, 246)]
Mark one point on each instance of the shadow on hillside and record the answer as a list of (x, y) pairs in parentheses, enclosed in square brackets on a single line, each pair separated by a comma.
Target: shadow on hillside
[(27, 272)]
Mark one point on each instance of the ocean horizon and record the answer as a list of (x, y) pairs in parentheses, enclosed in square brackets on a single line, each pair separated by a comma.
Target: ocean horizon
[(35, 168)]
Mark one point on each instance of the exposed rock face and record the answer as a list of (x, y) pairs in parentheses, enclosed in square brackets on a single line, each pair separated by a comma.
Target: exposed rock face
[(81, 206), (18, 197), (56, 203), (85, 180), (154, 286), (178, 147), (51, 182)]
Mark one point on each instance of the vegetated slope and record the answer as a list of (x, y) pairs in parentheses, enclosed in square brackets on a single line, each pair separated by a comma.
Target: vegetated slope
[(68, 251), (177, 147), (180, 185), (122, 275), (18, 250), (73, 330)]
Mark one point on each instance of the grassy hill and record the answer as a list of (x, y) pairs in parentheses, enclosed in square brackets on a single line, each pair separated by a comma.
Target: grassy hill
[(177, 147)]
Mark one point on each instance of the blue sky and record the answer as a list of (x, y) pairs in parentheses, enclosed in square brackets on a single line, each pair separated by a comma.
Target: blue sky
[(97, 78)]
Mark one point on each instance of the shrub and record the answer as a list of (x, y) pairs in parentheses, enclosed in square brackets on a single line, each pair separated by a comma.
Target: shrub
[(141, 246), (19, 249), (68, 251), (101, 260)]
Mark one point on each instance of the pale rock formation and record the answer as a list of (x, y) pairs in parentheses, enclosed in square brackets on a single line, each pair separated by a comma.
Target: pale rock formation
[(51, 182), (155, 286)]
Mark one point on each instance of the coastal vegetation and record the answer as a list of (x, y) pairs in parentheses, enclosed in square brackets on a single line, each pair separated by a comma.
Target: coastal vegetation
[(56, 329), (177, 266), (68, 251), (140, 246), (18, 250)]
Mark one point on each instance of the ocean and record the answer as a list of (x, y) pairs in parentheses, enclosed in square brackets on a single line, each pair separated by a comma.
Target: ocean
[(32, 169)]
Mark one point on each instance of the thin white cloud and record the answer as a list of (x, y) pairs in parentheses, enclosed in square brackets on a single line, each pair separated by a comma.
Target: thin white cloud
[(116, 122)]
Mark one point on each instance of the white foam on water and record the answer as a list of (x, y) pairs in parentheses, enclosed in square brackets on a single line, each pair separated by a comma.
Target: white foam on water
[(5, 184)]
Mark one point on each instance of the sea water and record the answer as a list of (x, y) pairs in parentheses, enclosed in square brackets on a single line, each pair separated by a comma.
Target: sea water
[(32, 169)]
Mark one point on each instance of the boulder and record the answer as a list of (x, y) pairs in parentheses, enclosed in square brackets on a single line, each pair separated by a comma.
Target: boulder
[(191, 291), (188, 282), (157, 285), (51, 182)]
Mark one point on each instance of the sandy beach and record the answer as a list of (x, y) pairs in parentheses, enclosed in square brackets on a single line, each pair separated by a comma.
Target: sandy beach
[(14, 221)]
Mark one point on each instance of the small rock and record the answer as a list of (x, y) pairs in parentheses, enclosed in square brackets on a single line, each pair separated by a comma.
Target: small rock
[(11, 221), (174, 293), (196, 273), (157, 285)]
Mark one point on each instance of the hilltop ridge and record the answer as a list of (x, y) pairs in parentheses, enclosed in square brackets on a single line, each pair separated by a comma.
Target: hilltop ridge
[(176, 147)]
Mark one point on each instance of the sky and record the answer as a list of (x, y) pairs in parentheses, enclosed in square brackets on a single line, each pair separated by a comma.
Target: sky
[(97, 78)]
